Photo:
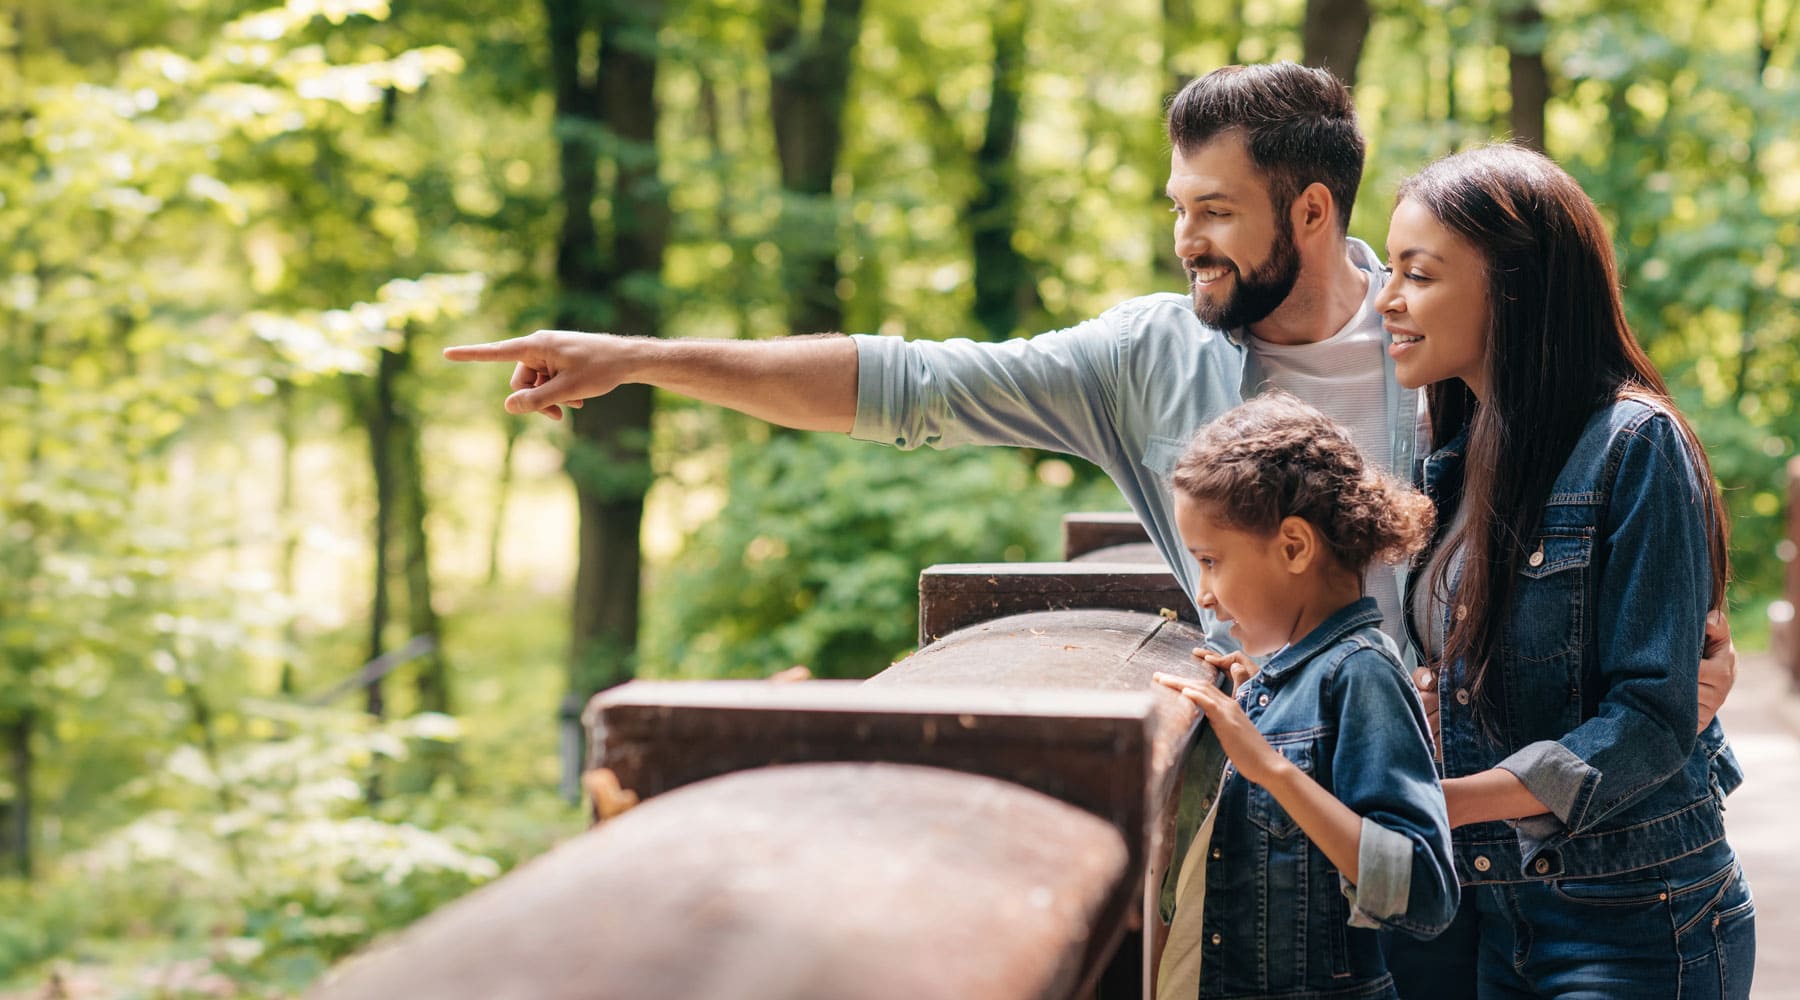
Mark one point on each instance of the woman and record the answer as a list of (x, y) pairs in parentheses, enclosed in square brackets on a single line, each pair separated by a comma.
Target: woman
[(1563, 604)]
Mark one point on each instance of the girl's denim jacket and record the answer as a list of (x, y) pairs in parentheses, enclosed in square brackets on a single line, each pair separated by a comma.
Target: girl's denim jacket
[(1597, 665), (1279, 918)]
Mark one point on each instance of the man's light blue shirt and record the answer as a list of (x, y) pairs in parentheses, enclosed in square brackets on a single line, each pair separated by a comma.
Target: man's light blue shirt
[(1126, 391)]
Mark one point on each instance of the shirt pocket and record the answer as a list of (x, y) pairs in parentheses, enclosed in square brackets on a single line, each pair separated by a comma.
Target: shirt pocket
[(1161, 453), (1551, 601), (1267, 813)]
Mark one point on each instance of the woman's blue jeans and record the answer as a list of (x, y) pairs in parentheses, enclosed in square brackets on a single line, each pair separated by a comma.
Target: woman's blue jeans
[(1685, 930)]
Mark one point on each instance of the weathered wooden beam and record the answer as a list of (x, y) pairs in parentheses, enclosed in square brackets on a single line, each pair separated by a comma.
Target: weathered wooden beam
[(806, 882), (1087, 531), (957, 595), (1091, 748)]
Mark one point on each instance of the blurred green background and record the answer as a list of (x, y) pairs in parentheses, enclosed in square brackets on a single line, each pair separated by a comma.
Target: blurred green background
[(233, 469)]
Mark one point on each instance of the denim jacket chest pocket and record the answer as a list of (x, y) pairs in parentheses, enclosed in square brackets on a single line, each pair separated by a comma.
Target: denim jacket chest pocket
[(1261, 807), (1551, 595), (1546, 638)]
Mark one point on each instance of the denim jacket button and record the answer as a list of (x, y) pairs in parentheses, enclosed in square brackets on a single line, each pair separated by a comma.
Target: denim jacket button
[(1216, 938), (1462, 696), (1537, 558), (1263, 700), (1542, 866), (1482, 863), (1462, 611), (1216, 854)]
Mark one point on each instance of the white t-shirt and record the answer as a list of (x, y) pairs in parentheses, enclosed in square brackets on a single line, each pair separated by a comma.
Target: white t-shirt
[(1344, 376)]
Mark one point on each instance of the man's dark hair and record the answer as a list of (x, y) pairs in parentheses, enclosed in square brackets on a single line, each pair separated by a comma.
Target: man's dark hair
[(1297, 122)]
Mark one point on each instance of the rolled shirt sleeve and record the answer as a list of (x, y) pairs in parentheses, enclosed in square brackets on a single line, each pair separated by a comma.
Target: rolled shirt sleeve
[(1384, 863), (1552, 773), (1384, 771)]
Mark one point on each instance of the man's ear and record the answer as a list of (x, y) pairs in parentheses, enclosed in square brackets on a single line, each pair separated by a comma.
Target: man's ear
[(1299, 544), (1314, 210)]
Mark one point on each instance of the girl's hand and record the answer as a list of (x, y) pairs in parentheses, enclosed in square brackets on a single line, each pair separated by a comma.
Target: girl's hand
[(1250, 753), (1240, 667)]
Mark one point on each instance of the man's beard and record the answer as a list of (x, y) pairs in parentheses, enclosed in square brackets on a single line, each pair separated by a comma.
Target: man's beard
[(1254, 295)]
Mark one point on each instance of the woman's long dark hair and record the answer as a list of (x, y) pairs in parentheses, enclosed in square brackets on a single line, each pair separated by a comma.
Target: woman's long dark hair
[(1558, 351)]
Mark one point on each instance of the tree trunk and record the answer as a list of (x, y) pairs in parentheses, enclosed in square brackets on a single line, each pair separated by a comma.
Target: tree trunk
[(809, 79), (288, 427), (502, 493), (608, 456), (15, 837), (378, 419), (1527, 80), (433, 678), (1003, 287), (739, 278), (1769, 38), (1333, 36)]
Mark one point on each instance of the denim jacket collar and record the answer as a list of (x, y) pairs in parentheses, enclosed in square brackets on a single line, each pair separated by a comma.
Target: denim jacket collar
[(1443, 462), (1347, 619)]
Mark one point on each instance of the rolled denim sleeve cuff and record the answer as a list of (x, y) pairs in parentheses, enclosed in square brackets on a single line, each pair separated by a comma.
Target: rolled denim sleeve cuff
[(880, 361), (1384, 876), (1554, 774)]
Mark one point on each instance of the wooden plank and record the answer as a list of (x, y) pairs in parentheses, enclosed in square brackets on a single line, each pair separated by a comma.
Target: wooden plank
[(1090, 748), (957, 595), (807, 882), (1089, 530), (1131, 552)]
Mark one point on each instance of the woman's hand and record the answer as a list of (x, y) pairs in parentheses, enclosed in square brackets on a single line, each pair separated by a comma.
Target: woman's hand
[(1718, 666), (1425, 682)]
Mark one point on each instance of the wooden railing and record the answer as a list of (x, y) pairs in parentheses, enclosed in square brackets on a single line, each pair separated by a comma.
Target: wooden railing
[(989, 817)]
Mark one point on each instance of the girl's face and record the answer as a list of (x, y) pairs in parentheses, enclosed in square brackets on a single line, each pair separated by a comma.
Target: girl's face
[(1435, 304), (1245, 578)]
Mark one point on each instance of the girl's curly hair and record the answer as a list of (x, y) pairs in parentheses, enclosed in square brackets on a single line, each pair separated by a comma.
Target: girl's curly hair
[(1276, 457)]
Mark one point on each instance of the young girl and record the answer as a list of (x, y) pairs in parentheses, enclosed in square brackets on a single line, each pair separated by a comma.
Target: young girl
[(1563, 606), (1330, 822)]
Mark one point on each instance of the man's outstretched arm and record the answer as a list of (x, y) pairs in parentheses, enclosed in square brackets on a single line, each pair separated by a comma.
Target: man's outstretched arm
[(807, 383)]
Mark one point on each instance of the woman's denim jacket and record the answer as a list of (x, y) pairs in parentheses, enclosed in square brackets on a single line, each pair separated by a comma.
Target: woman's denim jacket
[(1279, 918), (1597, 665)]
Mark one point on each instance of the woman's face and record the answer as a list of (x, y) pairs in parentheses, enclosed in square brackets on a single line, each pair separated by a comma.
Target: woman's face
[(1435, 304)]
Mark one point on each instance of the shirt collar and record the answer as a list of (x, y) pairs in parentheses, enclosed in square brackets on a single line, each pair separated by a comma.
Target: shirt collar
[(1358, 614)]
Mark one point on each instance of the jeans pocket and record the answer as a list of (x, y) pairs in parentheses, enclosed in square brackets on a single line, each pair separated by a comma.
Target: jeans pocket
[(1716, 937), (1615, 892)]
